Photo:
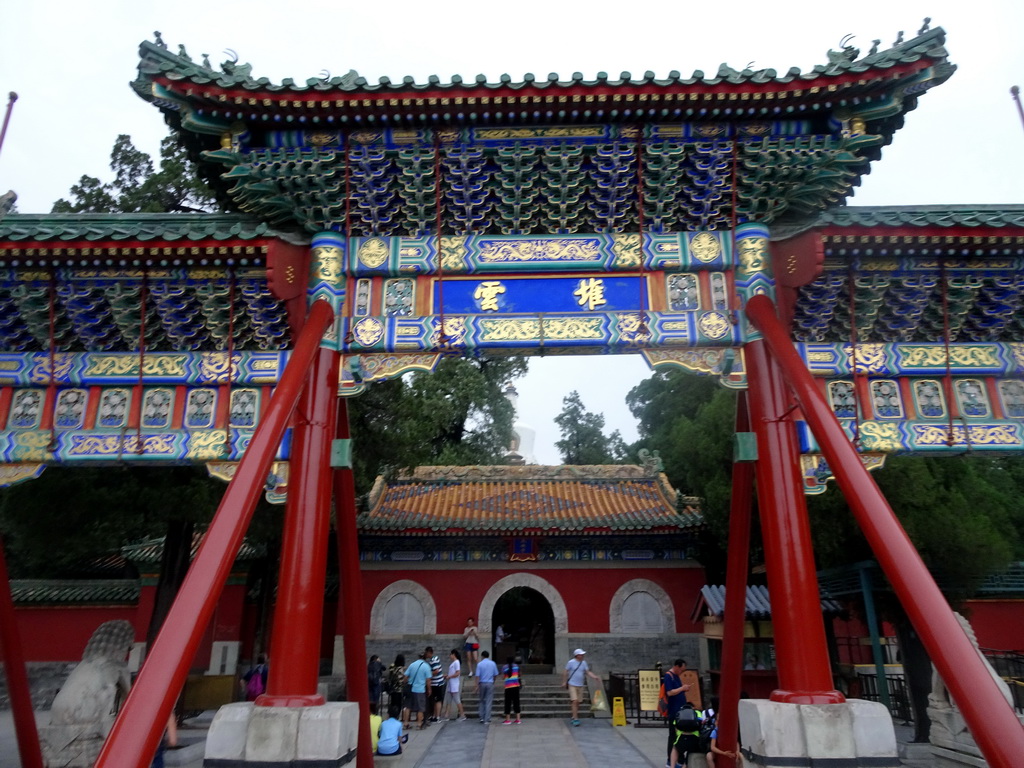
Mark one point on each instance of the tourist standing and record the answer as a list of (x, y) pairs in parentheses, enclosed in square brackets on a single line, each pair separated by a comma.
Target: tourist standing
[(438, 683), (396, 683), (486, 671), (419, 686), (574, 678), (454, 693), (512, 675), (675, 692), (471, 645), (375, 678)]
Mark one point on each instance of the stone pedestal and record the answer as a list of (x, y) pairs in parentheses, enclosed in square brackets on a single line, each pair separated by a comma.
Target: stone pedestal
[(854, 733), (71, 746), (243, 734)]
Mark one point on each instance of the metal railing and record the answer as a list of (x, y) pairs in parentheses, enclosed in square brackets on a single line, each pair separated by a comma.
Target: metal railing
[(627, 686), (1009, 665), (899, 698)]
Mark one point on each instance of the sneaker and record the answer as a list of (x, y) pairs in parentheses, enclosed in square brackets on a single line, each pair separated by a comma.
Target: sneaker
[(519, 722), (576, 722), (507, 722), (463, 719)]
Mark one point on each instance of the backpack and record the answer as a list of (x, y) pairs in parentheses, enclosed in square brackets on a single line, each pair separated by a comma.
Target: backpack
[(254, 685), (662, 702), (688, 720), (706, 727)]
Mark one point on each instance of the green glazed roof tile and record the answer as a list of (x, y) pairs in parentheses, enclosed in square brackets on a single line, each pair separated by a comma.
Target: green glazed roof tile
[(157, 60), (134, 226), (78, 592)]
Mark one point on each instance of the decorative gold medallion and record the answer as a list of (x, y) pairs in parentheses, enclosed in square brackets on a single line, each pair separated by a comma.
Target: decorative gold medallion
[(373, 252), (705, 247), (369, 331), (714, 325)]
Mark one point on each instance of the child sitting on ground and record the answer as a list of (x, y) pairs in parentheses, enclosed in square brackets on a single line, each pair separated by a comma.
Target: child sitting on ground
[(391, 736)]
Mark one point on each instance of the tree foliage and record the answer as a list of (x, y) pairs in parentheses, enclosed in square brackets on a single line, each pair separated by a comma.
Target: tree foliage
[(583, 438), (457, 415), (55, 524), (961, 513), (138, 187)]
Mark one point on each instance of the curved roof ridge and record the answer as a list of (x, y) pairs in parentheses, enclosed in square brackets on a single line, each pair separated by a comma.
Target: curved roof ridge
[(157, 59)]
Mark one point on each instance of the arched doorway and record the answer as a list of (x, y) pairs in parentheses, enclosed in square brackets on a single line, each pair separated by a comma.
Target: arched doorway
[(529, 622)]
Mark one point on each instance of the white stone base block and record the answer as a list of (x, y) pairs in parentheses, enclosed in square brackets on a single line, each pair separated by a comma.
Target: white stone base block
[(243, 734), (854, 733)]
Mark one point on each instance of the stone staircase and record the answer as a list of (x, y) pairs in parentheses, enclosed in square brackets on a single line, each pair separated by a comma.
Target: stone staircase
[(541, 696)]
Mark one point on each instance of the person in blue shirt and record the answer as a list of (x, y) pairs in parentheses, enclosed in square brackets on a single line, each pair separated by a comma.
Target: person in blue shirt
[(391, 736), (675, 692), (486, 671), (419, 680)]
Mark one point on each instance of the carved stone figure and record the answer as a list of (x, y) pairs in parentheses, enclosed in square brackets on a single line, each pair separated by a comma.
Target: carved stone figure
[(952, 744), (83, 711)]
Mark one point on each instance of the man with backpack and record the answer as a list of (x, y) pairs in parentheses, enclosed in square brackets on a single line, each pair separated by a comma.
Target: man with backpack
[(675, 694), (254, 682), (687, 725)]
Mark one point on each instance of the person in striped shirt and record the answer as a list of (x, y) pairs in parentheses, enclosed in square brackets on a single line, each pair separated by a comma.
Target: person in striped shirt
[(513, 682)]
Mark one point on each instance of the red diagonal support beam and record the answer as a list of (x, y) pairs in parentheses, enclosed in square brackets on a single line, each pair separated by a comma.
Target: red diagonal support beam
[(136, 733), (992, 721)]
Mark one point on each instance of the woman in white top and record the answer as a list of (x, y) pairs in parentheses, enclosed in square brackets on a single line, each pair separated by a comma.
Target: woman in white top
[(471, 646), (453, 694)]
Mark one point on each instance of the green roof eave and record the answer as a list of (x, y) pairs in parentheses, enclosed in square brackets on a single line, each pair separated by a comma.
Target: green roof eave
[(75, 591), (94, 227), (157, 63), (997, 216)]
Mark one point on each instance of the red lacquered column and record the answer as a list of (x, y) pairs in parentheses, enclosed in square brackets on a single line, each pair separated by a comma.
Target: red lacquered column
[(17, 678), (990, 718), (735, 594), (298, 616), (351, 594), (801, 652)]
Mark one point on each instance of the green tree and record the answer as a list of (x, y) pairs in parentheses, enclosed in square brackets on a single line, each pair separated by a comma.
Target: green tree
[(689, 420), (139, 188), (583, 438), (456, 415)]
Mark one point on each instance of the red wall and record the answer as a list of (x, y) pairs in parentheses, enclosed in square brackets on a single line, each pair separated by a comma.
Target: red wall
[(999, 624), (60, 633), (587, 592)]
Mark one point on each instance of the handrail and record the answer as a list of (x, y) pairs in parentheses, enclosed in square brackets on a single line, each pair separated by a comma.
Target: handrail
[(992, 722), (136, 733)]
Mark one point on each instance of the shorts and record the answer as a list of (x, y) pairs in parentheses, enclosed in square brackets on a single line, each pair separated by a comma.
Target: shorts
[(575, 693), (437, 693), (417, 702), (469, 647), (452, 697)]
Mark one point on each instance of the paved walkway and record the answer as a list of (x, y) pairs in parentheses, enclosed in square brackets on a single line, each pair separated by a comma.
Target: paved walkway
[(470, 744), (534, 744)]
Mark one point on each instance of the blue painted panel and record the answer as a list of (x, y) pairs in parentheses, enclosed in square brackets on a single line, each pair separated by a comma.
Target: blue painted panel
[(606, 293)]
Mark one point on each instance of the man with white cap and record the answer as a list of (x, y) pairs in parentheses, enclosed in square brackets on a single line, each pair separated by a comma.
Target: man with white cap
[(574, 677)]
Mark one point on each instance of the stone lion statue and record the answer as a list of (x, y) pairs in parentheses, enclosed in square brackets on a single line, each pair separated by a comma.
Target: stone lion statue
[(83, 711)]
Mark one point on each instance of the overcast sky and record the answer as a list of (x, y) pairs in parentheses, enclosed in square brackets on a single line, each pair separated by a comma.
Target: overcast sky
[(71, 62)]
